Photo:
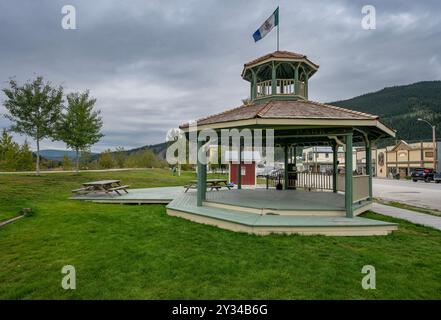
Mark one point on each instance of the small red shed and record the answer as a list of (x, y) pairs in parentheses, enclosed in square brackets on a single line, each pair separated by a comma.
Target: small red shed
[(248, 167)]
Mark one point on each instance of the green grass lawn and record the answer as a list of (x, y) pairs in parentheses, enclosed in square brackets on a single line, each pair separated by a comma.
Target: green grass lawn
[(138, 252)]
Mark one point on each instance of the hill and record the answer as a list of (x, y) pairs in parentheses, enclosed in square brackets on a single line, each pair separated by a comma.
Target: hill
[(57, 155), (159, 149), (401, 106)]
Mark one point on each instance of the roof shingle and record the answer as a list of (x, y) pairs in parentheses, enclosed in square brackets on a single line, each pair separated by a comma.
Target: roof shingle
[(290, 109)]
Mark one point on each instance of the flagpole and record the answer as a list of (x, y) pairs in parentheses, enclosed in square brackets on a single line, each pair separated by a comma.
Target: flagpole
[(278, 24), (278, 37)]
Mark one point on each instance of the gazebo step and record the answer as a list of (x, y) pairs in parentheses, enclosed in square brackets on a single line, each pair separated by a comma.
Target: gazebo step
[(239, 221), (273, 211)]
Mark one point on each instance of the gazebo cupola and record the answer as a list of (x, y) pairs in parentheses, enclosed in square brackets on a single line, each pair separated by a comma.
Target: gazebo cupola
[(279, 75)]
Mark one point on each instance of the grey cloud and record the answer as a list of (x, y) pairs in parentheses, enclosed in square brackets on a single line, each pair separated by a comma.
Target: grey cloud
[(154, 64)]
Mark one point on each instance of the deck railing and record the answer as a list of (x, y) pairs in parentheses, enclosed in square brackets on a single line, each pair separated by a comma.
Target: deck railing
[(316, 180), (321, 181), (304, 180), (283, 87), (264, 88), (360, 186)]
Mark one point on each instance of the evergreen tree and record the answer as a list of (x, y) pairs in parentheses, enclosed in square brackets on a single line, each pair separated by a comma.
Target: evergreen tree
[(14, 157), (8, 152), (25, 161)]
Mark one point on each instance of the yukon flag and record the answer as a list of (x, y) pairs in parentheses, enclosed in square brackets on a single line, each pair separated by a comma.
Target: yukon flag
[(267, 26)]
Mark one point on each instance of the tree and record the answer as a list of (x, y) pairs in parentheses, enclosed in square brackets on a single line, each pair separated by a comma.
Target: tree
[(144, 159), (105, 160), (8, 152), (120, 156), (67, 164), (86, 161), (14, 157), (25, 159), (34, 109), (79, 126)]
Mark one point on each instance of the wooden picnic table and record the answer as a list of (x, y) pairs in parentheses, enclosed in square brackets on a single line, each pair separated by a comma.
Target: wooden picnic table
[(103, 186), (211, 183)]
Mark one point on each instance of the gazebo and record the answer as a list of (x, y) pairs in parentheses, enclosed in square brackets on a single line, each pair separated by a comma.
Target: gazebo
[(279, 100)]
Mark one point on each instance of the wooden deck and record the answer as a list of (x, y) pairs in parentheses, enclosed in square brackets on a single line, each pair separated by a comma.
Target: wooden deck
[(258, 211), (283, 202), (184, 206)]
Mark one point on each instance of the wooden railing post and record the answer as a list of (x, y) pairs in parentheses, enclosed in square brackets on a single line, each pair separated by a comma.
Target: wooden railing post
[(334, 167), (201, 184), (348, 177), (369, 165)]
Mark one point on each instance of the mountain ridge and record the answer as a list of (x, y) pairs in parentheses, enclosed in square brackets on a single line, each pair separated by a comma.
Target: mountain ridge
[(401, 106)]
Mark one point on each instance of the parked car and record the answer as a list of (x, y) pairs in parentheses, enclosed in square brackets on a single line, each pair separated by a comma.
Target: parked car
[(437, 177), (422, 174)]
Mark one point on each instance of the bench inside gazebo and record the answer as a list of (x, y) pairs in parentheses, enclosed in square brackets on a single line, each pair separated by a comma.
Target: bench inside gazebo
[(279, 102)]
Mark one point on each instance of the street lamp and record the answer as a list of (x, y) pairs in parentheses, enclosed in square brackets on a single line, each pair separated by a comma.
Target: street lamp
[(433, 141)]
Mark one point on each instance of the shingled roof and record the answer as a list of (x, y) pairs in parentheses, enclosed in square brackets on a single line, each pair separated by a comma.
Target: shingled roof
[(290, 109)]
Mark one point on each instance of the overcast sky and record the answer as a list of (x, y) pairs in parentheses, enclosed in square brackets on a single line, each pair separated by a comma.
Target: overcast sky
[(153, 64)]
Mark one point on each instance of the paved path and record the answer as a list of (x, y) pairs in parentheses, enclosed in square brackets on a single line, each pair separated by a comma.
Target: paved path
[(412, 216), (418, 194)]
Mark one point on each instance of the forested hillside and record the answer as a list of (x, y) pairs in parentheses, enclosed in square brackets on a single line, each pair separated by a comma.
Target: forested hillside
[(401, 106)]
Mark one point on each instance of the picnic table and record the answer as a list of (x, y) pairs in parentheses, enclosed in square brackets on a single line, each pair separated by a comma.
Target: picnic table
[(105, 186), (211, 183)]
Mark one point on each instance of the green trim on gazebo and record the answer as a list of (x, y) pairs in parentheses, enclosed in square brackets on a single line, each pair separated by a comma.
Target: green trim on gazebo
[(279, 101)]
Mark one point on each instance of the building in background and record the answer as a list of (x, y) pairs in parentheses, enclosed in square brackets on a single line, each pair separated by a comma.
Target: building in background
[(403, 157), (399, 159), (319, 158), (359, 160)]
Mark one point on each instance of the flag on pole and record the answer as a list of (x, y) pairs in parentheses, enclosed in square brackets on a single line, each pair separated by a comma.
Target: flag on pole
[(267, 26)]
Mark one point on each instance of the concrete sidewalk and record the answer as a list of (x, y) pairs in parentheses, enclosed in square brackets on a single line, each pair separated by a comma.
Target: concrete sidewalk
[(412, 216)]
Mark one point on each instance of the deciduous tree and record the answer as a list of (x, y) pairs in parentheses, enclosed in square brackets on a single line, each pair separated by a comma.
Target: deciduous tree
[(33, 108), (79, 126)]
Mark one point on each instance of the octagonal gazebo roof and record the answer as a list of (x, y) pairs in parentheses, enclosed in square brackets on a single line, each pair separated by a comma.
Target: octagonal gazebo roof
[(290, 113)]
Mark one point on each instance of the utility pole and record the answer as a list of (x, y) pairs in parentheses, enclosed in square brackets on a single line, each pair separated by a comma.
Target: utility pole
[(433, 142)]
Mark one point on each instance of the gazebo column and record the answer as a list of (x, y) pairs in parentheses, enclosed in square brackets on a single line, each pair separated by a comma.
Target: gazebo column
[(348, 177), (273, 80), (296, 80), (202, 174), (334, 167), (295, 167), (306, 85), (253, 85), (368, 149), (239, 166), (285, 149)]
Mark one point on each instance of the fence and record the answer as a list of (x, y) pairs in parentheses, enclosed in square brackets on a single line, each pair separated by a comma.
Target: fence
[(321, 181), (305, 180)]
